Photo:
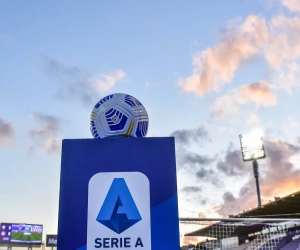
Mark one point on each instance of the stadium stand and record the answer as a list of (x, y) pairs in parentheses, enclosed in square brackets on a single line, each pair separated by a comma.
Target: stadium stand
[(274, 226), (284, 207), (292, 245)]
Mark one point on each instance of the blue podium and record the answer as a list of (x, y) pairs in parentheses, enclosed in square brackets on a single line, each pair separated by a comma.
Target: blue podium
[(118, 193)]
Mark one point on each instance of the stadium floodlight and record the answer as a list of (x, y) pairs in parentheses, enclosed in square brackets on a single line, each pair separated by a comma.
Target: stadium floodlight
[(253, 149)]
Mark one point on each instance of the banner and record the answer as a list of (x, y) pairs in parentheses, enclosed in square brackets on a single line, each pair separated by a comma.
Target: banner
[(118, 193), (51, 240)]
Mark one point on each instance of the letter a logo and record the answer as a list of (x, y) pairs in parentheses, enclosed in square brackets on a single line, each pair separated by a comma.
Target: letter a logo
[(118, 211)]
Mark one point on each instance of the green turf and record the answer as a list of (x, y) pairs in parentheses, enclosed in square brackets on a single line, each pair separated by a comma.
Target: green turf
[(23, 237)]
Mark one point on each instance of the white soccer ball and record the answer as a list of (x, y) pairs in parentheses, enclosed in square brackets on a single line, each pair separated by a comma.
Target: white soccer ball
[(119, 115)]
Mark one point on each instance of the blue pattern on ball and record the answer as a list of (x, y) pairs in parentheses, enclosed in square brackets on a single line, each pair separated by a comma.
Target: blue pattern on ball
[(103, 100), (142, 129), (119, 115), (131, 101), (115, 119)]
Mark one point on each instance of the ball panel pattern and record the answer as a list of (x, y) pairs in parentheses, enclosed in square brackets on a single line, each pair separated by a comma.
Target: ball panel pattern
[(142, 129), (119, 115), (115, 119), (130, 100)]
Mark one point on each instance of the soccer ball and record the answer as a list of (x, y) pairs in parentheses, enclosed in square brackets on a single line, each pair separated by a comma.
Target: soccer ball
[(119, 115)]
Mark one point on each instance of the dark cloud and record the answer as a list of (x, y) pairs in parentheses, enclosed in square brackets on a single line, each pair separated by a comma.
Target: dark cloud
[(186, 136), (193, 194), (75, 85), (189, 160), (228, 197), (191, 189), (193, 162), (233, 163), (203, 173), (233, 205), (71, 82), (6, 130), (78, 91), (203, 201), (192, 159), (280, 172), (209, 175), (55, 68), (245, 190), (46, 134), (279, 176), (197, 165)]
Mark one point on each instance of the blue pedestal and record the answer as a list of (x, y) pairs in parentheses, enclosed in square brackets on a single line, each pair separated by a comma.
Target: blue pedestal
[(118, 193)]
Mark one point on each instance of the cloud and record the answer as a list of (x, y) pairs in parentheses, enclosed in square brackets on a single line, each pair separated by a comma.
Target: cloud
[(187, 159), (56, 68), (202, 215), (187, 136), (104, 83), (283, 44), (281, 173), (292, 5), (258, 93), (6, 130), (193, 162), (191, 159), (226, 104), (278, 40), (78, 91), (75, 84), (197, 165), (216, 66), (279, 176), (233, 164), (253, 119), (210, 176), (287, 78), (46, 134), (191, 189)]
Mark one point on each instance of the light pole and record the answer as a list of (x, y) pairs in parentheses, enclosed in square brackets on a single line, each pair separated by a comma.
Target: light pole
[(253, 149)]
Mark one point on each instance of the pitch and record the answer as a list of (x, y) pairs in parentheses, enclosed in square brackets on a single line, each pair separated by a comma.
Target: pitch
[(26, 237)]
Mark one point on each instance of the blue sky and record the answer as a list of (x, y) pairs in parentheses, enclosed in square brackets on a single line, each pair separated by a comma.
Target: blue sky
[(206, 71)]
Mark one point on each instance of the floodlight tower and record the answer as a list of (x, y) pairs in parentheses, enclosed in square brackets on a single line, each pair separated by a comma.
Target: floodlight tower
[(253, 149)]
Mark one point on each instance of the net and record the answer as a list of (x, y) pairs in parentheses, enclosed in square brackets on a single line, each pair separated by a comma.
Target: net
[(246, 234)]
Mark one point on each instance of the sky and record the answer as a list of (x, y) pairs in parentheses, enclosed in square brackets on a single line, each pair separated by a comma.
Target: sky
[(206, 71)]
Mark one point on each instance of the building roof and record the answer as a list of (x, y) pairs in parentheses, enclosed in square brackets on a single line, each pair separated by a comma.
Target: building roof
[(284, 207)]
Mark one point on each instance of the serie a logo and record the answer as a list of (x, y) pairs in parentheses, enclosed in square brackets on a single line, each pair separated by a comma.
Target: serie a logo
[(119, 211)]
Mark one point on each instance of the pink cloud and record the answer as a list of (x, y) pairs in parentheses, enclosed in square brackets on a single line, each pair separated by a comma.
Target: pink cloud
[(253, 119), (292, 5), (258, 93), (216, 66), (224, 105), (284, 42), (104, 83), (278, 40)]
